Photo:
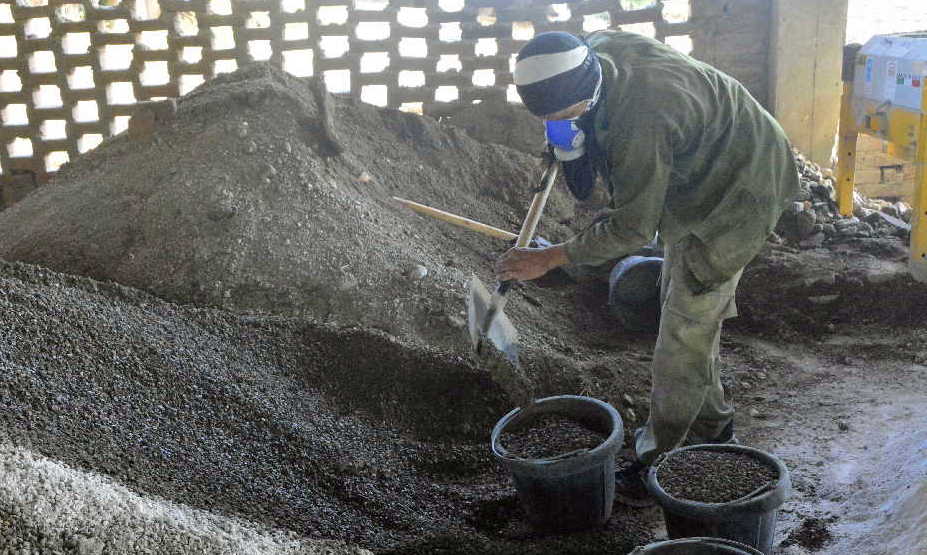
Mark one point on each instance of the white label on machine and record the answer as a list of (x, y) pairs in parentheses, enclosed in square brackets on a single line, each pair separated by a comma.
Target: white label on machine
[(891, 80)]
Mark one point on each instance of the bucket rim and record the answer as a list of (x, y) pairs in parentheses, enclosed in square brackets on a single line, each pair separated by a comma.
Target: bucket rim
[(762, 502), (608, 444), (684, 541)]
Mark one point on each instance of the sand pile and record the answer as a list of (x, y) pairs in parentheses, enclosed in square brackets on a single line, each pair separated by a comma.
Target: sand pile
[(240, 200), (276, 421)]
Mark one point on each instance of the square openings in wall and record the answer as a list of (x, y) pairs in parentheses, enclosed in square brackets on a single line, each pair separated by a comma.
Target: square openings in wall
[(596, 22), (8, 47), (646, 29), (413, 47), (6, 14), (374, 62), (191, 54), (222, 37), (260, 50), (411, 78), (47, 96), (511, 94), (371, 5), (334, 46), (81, 77), (155, 73), (20, 147), (85, 111), (37, 28), (559, 12), (114, 26), (70, 13), (54, 160), (412, 107), (293, 6), (89, 141), (676, 11), (219, 7), (188, 82), (449, 62), (450, 32), (484, 77), (332, 15), (115, 57), (446, 93), (338, 81), (119, 124), (412, 17), (375, 94), (75, 43), (14, 114), (298, 62), (42, 61), (451, 5), (224, 66), (682, 43), (54, 129), (522, 30), (153, 40), (486, 47), (10, 81), (295, 31), (372, 30), (258, 20), (120, 93), (186, 24)]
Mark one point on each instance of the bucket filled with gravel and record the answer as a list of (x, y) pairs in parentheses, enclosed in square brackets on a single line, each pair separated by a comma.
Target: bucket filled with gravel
[(724, 491), (561, 453)]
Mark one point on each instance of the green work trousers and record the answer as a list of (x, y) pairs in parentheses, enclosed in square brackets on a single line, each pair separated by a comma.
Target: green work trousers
[(686, 397)]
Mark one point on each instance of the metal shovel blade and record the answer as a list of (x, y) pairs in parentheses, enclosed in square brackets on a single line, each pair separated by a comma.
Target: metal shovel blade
[(501, 333)]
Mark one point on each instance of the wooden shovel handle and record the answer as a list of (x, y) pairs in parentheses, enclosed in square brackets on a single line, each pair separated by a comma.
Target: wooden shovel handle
[(537, 205)]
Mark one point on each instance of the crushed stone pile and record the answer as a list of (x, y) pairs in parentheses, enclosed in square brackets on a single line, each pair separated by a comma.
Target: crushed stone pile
[(256, 420), (813, 220), (259, 192)]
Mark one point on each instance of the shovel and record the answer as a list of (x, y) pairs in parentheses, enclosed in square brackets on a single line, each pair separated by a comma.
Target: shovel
[(485, 316)]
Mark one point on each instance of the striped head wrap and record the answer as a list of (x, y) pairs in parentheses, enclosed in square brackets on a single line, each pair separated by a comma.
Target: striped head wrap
[(555, 71)]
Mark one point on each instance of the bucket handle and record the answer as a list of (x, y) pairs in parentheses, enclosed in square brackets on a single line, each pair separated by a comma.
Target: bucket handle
[(575, 453)]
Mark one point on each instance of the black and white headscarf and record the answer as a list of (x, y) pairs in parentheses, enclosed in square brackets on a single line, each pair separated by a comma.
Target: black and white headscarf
[(555, 71)]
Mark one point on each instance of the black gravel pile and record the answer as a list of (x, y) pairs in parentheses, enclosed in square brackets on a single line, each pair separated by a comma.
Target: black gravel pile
[(549, 436), (713, 476), (257, 417)]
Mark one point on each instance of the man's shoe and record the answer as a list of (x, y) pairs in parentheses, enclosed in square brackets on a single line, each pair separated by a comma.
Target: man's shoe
[(629, 486)]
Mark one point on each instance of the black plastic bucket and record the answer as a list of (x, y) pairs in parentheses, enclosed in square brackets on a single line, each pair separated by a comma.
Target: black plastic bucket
[(750, 520), (634, 293), (573, 491), (696, 546)]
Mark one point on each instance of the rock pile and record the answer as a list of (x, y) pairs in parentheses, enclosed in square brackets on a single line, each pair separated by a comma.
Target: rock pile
[(813, 220)]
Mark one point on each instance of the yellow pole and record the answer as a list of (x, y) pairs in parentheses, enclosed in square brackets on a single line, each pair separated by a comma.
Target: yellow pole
[(918, 256), (846, 153)]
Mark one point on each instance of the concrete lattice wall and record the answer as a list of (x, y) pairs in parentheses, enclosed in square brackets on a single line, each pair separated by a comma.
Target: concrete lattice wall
[(71, 72)]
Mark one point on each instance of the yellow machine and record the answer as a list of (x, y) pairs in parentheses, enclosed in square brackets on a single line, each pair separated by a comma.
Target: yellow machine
[(885, 95)]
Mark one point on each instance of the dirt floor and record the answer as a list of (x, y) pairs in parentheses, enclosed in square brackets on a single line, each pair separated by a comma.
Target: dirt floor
[(282, 372)]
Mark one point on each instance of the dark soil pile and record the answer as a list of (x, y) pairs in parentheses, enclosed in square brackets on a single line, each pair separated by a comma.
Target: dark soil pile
[(813, 534), (713, 476), (261, 418), (549, 436), (241, 200)]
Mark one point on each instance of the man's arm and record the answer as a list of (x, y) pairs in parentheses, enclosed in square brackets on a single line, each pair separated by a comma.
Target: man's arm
[(641, 156)]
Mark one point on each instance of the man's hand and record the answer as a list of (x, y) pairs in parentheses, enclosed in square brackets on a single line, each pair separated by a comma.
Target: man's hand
[(524, 264)]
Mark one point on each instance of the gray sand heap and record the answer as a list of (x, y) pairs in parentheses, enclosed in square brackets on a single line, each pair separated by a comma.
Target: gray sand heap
[(239, 199)]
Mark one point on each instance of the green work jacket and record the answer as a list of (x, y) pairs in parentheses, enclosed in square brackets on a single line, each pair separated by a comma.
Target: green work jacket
[(691, 155)]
